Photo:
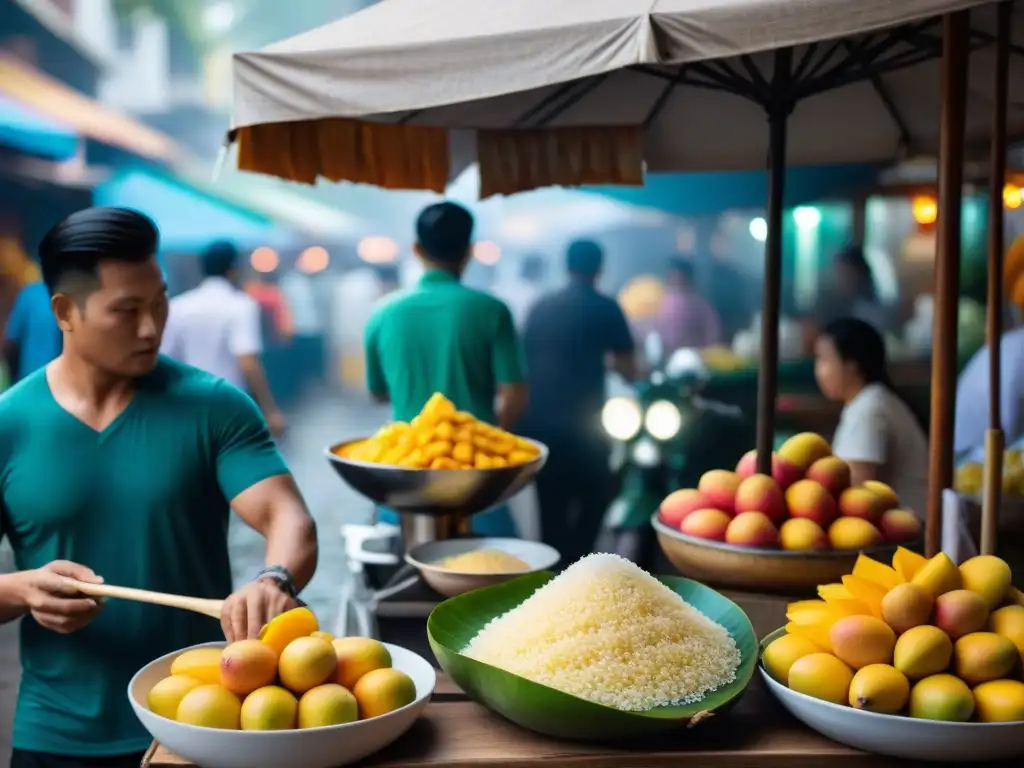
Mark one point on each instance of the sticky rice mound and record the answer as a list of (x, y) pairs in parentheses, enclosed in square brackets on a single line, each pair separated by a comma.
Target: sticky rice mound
[(606, 631)]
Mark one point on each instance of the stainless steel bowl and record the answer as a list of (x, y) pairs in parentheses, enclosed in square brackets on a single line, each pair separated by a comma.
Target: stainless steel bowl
[(435, 492)]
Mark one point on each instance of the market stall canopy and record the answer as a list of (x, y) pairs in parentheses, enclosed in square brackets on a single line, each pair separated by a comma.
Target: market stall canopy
[(595, 91), (24, 130), (90, 119), (190, 218)]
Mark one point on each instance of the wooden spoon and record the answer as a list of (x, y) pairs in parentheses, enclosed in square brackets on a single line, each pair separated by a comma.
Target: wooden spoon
[(196, 604)]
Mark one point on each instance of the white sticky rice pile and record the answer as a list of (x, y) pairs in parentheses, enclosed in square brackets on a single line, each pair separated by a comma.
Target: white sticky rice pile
[(607, 631)]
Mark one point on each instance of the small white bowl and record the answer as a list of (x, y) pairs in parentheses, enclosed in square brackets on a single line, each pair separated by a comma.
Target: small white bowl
[(426, 557), (326, 747), (899, 736)]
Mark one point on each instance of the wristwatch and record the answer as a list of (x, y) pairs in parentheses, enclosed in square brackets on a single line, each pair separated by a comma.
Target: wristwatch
[(282, 577)]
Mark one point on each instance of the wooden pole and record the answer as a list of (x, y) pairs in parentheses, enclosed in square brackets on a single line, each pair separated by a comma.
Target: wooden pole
[(956, 29), (994, 437), (768, 373)]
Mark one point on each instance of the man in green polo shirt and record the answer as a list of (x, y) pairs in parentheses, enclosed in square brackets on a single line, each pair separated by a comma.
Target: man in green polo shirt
[(121, 464), (441, 336)]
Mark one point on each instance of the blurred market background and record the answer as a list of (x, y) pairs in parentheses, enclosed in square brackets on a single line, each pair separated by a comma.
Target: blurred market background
[(126, 102)]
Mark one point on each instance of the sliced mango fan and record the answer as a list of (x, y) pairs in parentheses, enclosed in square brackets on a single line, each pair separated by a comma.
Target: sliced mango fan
[(859, 594)]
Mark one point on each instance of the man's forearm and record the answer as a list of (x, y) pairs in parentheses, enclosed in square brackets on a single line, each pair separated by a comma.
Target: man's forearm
[(511, 404), (291, 542), (12, 601)]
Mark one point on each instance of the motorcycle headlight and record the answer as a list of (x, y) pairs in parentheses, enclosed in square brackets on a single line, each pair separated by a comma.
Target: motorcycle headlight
[(621, 418), (663, 420)]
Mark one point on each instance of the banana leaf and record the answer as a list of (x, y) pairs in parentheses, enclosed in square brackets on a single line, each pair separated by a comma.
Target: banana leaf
[(545, 710)]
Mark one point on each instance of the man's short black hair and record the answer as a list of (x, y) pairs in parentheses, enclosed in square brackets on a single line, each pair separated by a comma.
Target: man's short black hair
[(584, 258), (445, 232), (75, 246), (219, 258)]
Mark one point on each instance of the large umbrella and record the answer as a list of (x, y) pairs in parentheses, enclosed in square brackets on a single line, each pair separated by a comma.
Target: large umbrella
[(405, 93)]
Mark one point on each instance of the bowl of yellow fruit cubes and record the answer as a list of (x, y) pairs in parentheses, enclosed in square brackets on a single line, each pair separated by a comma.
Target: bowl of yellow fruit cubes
[(442, 462)]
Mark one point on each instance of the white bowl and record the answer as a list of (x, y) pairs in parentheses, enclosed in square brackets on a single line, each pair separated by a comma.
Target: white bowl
[(900, 736), (326, 747), (425, 559)]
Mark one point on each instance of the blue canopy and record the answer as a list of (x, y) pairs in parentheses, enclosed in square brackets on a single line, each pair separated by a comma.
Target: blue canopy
[(189, 218), (31, 133), (693, 194)]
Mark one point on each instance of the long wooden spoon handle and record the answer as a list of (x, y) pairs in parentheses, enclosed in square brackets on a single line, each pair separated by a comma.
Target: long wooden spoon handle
[(195, 604)]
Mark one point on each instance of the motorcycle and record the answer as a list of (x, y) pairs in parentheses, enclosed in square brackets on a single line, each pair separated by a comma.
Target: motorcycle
[(666, 434)]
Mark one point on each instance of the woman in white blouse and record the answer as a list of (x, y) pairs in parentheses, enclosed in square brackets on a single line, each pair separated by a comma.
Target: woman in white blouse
[(879, 435)]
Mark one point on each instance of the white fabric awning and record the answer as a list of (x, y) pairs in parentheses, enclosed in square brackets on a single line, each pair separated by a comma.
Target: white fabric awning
[(478, 65)]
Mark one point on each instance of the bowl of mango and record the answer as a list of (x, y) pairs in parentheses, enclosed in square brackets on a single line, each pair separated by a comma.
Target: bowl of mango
[(443, 461), (295, 696), (920, 659)]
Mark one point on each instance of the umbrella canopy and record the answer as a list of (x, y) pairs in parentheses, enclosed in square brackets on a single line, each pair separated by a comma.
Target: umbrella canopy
[(625, 84)]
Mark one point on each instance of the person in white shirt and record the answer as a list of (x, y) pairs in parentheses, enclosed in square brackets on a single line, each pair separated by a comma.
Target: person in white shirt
[(217, 327), (972, 395), (879, 435)]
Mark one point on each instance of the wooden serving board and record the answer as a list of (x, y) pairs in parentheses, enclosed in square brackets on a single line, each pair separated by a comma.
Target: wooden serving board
[(455, 732)]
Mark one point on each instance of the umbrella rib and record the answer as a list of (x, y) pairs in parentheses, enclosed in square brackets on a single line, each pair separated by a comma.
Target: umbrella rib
[(989, 38), (552, 98), (864, 56), (663, 97), (882, 91), (685, 76), (572, 100), (805, 61), (757, 78)]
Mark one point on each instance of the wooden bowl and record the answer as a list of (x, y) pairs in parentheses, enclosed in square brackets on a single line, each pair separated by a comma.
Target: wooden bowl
[(757, 570)]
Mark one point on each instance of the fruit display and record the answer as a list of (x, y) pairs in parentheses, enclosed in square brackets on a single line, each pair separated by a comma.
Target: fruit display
[(293, 676), (920, 638), (807, 504), (970, 476), (441, 437)]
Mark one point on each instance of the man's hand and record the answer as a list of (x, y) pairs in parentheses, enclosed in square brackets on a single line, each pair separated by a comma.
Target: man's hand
[(276, 422), (53, 600), (249, 608)]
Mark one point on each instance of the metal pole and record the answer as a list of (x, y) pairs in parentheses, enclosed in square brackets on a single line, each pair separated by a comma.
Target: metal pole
[(956, 29), (768, 367), (994, 437)]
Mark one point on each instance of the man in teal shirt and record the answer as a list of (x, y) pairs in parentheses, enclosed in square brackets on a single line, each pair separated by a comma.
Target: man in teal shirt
[(441, 336), (118, 463)]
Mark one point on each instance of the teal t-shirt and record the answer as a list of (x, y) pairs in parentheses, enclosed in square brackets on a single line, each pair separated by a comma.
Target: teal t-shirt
[(145, 504), (442, 336)]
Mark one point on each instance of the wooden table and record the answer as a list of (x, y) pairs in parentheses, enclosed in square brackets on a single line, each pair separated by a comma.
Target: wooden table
[(454, 732)]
